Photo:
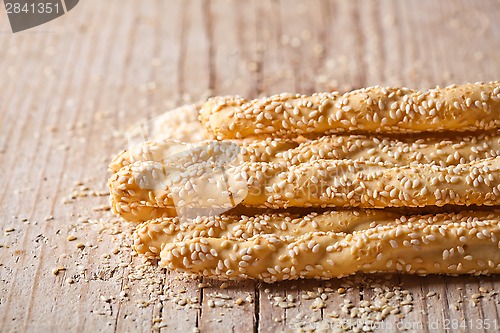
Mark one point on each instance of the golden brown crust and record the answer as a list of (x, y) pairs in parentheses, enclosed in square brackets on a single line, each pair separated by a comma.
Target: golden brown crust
[(266, 150), (442, 150), (151, 236), (325, 184), (442, 243), (468, 107), (434, 150)]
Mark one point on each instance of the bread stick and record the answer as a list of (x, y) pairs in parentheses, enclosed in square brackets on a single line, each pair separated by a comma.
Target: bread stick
[(151, 236), (326, 184), (402, 150), (266, 150), (433, 150), (420, 245), (468, 107)]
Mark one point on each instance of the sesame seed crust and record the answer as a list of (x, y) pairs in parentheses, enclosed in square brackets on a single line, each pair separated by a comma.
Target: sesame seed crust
[(322, 183), (151, 236), (402, 150), (434, 150), (266, 150), (468, 107), (443, 243)]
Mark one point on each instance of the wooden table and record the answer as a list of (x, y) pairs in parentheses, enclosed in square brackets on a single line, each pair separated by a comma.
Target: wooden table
[(71, 88)]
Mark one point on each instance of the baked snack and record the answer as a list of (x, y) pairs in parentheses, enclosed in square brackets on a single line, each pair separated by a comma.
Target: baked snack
[(266, 150), (441, 243), (323, 183), (151, 236), (442, 150), (321, 186), (436, 149), (468, 107)]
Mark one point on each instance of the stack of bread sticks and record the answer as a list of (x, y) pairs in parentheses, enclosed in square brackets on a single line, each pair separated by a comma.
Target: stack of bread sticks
[(324, 186)]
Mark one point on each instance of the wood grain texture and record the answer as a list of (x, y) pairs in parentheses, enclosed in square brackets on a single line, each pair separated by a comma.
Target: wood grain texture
[(72, 87)]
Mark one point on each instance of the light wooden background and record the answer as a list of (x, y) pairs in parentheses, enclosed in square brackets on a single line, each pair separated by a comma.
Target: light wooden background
[(70, 88)]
